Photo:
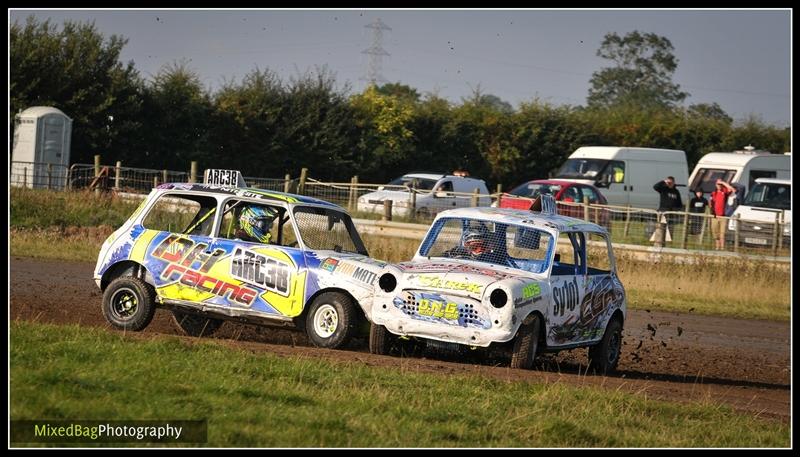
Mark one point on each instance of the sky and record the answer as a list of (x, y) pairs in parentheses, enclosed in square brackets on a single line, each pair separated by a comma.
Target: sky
[(740, 59)]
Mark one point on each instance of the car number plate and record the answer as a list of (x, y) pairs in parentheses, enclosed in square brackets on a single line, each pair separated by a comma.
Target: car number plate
[(755, 241)]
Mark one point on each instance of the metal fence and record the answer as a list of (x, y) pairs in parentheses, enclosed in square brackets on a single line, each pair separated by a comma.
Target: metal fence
[(35, 175), (675, 229)]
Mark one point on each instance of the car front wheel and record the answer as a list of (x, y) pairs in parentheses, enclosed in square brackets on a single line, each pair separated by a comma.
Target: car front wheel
[(331, 320), (128, 303), (525, 345), (604, 356)]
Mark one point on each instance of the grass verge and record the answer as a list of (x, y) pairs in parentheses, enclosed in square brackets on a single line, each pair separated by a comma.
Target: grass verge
[(258, 399)]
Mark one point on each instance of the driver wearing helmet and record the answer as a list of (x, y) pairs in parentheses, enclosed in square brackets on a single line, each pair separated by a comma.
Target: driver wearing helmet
[(477, 243), (255, 223)]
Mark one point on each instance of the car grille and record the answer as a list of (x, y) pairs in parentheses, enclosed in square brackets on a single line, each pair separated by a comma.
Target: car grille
[(467, 314)]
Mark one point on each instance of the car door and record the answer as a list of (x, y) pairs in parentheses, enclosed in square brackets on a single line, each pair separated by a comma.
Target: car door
[(267, 279), (567, 284)]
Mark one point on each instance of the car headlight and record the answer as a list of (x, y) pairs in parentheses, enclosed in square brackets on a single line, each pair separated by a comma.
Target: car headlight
[(732, 224), (387, 282), (498, 298)]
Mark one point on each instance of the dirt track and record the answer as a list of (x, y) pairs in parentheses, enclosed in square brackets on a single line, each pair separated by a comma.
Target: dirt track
[(671, 356)]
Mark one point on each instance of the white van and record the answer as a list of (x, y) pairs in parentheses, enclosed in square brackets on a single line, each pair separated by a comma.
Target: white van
[(625, 175), (739, 167), (768, 201), (435, 193)]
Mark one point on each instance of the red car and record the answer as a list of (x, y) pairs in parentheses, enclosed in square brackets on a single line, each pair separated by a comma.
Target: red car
[(522, 196)]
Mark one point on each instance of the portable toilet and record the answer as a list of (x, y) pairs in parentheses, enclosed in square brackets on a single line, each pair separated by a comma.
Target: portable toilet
[(40, 155)]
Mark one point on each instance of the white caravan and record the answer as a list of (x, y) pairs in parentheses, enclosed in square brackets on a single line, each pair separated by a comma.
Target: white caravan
[(739, 167)]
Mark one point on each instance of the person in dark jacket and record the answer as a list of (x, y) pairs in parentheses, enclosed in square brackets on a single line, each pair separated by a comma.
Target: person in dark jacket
[(670, 198), (697, 205)]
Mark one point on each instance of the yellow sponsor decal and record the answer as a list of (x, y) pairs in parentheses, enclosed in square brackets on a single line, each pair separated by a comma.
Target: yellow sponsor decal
[(437, 282), (141, 244), (435, 308)]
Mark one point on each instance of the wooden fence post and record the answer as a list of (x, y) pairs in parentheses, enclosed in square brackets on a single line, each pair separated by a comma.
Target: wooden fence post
[(301, 187), (685, 226), (193, 172), (117, 171), (387, 210)]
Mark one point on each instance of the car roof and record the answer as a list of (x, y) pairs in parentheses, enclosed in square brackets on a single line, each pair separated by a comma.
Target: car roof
[(774, 181), (249, 192), (560, 182), (547, 222), (433, 176)]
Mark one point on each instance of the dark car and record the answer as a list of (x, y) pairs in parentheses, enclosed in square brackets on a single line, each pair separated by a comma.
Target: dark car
[(522, 196)]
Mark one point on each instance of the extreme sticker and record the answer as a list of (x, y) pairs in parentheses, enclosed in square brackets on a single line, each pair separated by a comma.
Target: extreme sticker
[(260, 270), (437, 282)]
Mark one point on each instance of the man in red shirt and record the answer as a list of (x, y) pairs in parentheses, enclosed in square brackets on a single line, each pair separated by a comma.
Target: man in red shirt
[(720, 222)]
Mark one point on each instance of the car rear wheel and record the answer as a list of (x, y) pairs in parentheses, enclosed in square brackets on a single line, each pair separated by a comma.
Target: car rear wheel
[(525, 345), (604, 356), (129, 303), (196, 325), (331, 320)]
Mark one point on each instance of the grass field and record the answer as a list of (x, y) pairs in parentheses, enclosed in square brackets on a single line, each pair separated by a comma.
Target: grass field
[(255, 399), (745, 289)]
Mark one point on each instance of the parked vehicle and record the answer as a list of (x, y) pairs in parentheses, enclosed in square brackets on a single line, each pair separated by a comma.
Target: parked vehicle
[(504, 278), (434, 193), (522, 196), (739, 168), (625, 175), (212, 253), (768, 202)]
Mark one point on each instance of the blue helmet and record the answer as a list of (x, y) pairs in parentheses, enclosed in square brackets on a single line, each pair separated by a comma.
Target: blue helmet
[(256, 222)]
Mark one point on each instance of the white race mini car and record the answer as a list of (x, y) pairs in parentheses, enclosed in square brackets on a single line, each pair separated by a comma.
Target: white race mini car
[(531, 281)]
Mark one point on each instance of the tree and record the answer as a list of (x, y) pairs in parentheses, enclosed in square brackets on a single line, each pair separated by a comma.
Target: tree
[(642, 75), (178, 118), (709, 111), (78, 71), (401, 91)]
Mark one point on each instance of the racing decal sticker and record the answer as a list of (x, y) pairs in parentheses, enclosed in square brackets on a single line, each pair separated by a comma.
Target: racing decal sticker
[(439, 309), (437, 282), (261, 271), (603, 295), (531, 293), (565, 297), (188, 264), (329, 264), (356, 272)]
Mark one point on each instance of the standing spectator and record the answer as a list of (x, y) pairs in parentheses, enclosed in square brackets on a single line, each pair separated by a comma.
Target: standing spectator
[(697, 205), (670, 197), (720, 223)]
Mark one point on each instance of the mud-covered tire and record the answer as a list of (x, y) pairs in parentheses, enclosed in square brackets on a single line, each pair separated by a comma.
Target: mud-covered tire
[(384, 342), (196, 325), (604, 356), (331, 320), (129, 303), (526, 344)]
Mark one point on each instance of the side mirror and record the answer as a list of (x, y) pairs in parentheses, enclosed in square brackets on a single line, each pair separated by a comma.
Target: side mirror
[(604, 181), (381, 187)]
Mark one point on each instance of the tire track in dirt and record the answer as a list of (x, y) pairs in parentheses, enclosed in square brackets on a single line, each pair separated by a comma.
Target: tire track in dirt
[(671, 356)]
